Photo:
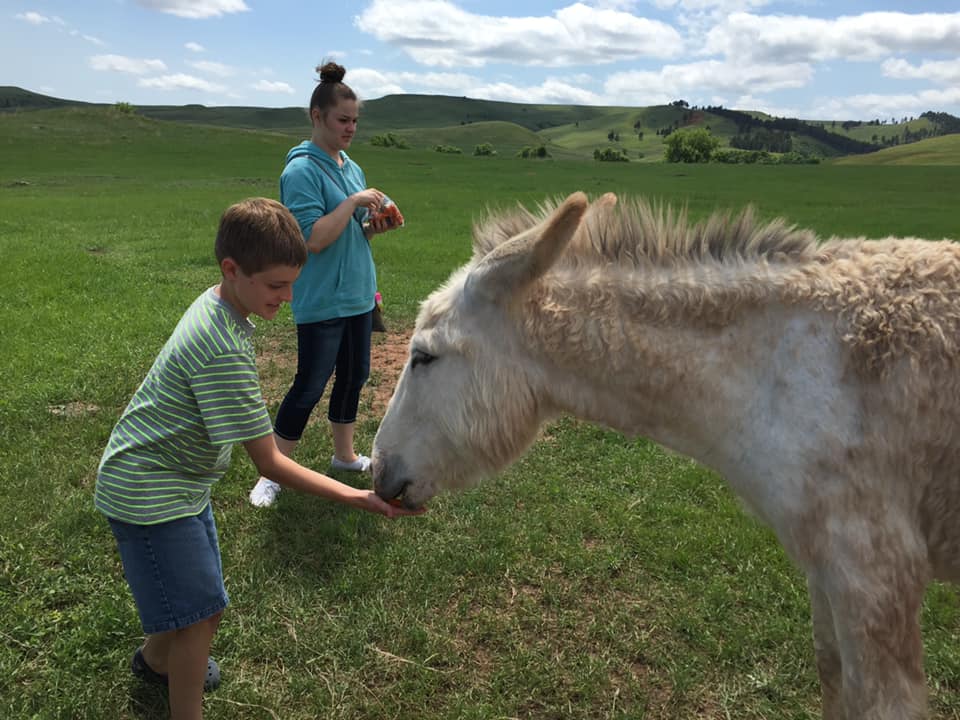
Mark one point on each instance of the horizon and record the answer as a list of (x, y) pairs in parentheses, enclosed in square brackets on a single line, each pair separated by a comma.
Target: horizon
[(303, 108), (802, 59)]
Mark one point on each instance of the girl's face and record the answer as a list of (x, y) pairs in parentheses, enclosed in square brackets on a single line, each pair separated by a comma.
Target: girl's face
[(334, 130)]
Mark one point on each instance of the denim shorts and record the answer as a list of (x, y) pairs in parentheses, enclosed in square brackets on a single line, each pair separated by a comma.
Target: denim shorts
[(173, 569)]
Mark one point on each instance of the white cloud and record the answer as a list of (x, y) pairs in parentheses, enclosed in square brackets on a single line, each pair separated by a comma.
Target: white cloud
[(195, 9), (212, 68), (273, 86), (550, 92), (34, 18), (721, 6), (370, 84), (944, 72), (879, 106), (869, 36), (702, 79), (88, 38), (555, 91), (749, 102), (194, 47), (443, 83), (119, 63), (624, 5), (180, 81), (707, 82), (432, 33)]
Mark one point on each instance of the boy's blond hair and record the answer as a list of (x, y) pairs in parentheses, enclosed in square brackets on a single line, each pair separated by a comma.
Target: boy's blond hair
[(259, 233)]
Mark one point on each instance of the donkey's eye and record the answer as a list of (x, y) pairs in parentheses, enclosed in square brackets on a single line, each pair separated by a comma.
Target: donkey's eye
[(419, 357)]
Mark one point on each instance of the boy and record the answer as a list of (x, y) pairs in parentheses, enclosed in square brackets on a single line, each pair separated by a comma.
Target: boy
[(174, 440)]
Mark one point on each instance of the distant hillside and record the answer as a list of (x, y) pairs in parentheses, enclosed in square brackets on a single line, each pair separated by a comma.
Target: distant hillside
[(14, 98), (292, 120), (507, 138), (749, 125), (944, 150), (566, 130), (402, 112)]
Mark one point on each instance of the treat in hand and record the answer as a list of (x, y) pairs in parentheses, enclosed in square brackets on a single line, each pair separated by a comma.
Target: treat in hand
[(390, 212)]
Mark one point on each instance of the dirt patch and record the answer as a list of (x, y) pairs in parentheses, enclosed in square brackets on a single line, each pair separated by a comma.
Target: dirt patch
[(277, 363), (388, 355), (73, 409)]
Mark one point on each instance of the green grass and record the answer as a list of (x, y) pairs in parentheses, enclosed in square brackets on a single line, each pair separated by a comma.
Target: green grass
[(597, 578), (571, 131), (943, 150), (506, 138)]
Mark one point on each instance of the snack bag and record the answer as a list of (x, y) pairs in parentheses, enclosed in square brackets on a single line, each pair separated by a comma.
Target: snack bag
[(388, 210)]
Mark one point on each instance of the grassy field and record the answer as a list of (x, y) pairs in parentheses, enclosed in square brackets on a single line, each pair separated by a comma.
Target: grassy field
[(598, 578), (570, 131), (944, 150)]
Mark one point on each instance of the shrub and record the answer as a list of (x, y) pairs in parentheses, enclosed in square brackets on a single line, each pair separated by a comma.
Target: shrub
[(389, 140), (762, 157), (485, 149), (534, 152), (690, 146), (124, 108), (739, 157), (610, 155), (795, 158), (451, 149)]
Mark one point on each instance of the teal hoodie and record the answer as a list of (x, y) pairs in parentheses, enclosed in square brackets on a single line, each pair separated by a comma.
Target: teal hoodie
[(340, 280)]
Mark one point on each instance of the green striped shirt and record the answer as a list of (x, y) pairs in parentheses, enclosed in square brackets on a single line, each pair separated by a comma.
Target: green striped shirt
[(175, 437)]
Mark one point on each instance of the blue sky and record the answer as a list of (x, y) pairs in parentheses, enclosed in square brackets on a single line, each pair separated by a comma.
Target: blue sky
[(816, 59)]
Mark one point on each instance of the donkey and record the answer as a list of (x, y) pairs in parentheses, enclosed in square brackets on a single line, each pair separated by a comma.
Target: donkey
[(820, 378)]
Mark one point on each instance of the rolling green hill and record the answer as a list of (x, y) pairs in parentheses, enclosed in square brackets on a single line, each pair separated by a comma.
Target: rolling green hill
[(506, 138), (567, 131), (943, 150), (96, 141), (14, 98), (401, 112), (292, 120)]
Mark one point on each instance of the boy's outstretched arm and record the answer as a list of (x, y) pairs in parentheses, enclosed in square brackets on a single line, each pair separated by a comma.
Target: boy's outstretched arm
[(273, 464)]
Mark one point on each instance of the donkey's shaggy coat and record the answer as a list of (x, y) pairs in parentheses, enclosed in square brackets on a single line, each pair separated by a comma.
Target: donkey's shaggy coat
[(821, 379)]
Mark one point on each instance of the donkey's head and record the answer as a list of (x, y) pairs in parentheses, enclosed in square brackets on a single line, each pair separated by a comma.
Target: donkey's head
[(471, 397)]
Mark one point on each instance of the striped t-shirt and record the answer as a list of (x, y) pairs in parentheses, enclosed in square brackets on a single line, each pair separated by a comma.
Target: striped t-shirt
[(174, 439)]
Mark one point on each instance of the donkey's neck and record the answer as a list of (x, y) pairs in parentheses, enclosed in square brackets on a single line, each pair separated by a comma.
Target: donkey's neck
[(665, 359)]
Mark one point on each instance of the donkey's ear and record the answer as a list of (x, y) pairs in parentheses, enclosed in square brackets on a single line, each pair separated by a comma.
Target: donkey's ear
[(525, 257)]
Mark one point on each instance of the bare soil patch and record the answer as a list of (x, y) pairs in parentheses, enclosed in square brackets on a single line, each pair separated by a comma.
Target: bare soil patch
[(277, 363)]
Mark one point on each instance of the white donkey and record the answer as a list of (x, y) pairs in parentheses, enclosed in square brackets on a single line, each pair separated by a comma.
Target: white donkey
[(822, 380)]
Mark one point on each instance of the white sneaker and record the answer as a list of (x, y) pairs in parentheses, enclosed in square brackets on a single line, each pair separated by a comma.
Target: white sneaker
[(264, 493), (361, 464)]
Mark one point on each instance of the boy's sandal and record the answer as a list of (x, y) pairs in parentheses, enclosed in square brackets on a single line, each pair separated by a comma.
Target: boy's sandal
[(140, 668)]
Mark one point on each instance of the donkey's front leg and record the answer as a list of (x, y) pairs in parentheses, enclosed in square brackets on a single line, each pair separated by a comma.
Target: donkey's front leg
[(874, 582), (829, 664)]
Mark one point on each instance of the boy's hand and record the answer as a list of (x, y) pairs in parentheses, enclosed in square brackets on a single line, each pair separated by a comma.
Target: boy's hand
[(372, 503)]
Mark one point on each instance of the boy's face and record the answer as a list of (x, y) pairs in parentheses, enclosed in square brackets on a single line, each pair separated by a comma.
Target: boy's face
[(261, 293)]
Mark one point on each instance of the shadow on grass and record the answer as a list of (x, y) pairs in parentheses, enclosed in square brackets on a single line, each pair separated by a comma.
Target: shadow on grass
[(318, 538), (148, 702)]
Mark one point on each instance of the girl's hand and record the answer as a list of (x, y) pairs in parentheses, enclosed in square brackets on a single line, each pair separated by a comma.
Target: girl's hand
[(388, 217), (371, 198), (378, 223)]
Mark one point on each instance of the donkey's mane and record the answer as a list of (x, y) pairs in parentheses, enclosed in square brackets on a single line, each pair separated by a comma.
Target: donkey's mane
[(637, 232), (893, 297)]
